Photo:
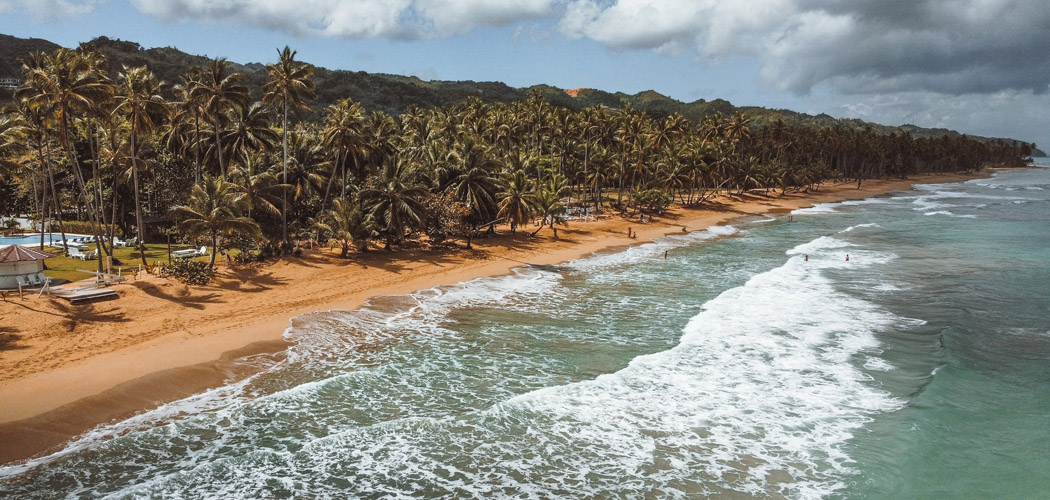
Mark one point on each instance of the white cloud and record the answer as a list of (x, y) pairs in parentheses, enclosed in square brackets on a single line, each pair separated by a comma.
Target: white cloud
[(42, 10), (637, 24), (353, 18), (459, 16), (952, 46), (345, 18)]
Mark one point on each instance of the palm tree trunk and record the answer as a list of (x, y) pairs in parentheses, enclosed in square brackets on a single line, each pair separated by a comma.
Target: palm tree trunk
[(218, 150), (284, 175), (140, 230), (78, 174), (196, 146), (339, 157), (214, 249), (543, 221), (54, 198)]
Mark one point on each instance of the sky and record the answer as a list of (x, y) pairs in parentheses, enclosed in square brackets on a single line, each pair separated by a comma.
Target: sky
[(977, 66)]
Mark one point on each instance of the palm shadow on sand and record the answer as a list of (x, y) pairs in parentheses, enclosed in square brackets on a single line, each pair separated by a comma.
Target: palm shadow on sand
[(187, 300), (10, 339)]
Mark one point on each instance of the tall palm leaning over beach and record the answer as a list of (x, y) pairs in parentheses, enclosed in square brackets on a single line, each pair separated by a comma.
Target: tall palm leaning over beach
[(289, 86), (139, 101), (214, 207)]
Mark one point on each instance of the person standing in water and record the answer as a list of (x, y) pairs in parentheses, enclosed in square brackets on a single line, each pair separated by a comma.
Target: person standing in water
[(847, 257)]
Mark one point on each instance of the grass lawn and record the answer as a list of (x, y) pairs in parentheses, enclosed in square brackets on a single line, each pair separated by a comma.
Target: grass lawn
[(66, 268)]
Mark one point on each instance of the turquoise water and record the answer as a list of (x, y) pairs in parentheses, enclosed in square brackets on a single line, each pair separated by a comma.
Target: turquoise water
[(34, 239), (755, 362)]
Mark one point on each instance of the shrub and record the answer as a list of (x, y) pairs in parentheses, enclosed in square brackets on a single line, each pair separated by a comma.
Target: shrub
[(84, 227), (76, 227), (191, 272), (652, 200)]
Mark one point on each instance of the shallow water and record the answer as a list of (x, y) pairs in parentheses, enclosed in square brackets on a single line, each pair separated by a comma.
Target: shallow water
[(755, 362)]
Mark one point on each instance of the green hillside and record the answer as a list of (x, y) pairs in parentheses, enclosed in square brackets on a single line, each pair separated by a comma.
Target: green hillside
[(394, 94)]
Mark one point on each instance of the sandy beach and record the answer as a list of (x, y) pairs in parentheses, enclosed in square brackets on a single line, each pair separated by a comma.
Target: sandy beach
[(66, 369)]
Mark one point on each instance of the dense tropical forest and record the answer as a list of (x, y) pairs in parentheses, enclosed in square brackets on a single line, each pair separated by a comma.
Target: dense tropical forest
[(211, 157)]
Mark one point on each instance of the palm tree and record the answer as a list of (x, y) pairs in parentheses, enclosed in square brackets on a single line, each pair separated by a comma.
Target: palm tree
[(249, 131), (11, 144), (516, 200), (189, 112), (349, 225), (344, 124), (394, 201), (471, 182), (289, 85), (262, 189), (308, 164), (550, 208), (218, 91), (61, 86), (36, 134), (139, 101), (213, 208)]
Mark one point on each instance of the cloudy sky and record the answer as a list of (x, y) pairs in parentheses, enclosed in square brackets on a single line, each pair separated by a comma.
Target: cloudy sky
[(977, 66)]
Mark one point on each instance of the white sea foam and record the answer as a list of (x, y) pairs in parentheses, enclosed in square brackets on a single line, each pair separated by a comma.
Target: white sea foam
[(819, 208), (649, 251), (758, 398), (828, 208), (951, 214), (858, 226), (875, 363), (760, 387)]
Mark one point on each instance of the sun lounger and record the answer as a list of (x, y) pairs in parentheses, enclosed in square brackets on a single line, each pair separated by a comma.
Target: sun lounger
[(189, 253), (24, 282), (75, 253)]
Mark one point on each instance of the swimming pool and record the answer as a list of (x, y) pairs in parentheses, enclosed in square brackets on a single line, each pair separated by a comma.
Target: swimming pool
[(34, 239)]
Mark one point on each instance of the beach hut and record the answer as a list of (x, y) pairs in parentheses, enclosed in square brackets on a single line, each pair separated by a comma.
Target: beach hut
[(17, 260)]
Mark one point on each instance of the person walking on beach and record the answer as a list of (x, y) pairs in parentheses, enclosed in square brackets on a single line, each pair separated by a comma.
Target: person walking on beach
[(628, 231)]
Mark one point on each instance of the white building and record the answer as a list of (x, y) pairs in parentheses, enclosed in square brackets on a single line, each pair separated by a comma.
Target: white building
[(17, 260)]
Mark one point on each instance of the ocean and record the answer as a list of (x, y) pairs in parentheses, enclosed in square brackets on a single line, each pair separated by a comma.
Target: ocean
[(755, 361)]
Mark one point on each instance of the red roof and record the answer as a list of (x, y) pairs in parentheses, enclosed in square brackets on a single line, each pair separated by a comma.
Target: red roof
[(15, 253)]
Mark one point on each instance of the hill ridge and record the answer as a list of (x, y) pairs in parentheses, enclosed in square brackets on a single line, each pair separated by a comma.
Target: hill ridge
[(393, 94)]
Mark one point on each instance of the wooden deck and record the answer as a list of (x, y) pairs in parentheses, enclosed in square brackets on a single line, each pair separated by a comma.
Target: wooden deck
[(85, 295)]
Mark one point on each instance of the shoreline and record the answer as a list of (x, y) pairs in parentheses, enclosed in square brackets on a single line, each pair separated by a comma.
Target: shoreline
[(50, 399)]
